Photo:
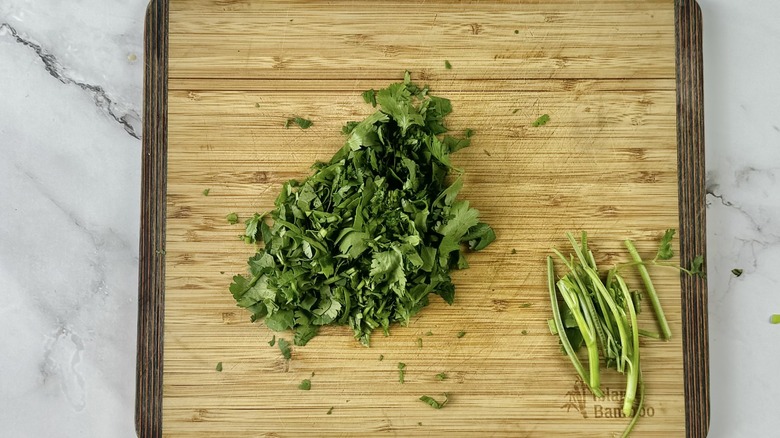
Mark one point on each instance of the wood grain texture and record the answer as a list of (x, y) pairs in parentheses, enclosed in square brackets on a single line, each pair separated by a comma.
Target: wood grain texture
[(690, 143), (151, 257), (623, 149)]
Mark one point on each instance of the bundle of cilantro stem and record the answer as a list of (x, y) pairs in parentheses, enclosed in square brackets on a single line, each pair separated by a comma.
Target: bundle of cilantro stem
[(371, 233), (600, 312)]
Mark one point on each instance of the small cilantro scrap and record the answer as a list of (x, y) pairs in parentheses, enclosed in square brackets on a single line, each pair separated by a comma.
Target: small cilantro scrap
[(372, 233), (433, 403), (737, 272), (305, 385), (219, 367), (206, 192), (284, 347), (541, 121), (447, 65), (330, 411), (441, 376), (401, 372), (272, 341), (665, 248), (300, 121), (461, 334), (232, 218), (775, 319)]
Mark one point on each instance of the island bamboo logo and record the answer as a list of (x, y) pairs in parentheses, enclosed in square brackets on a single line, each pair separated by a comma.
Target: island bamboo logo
[(577, 397), (609, 406)]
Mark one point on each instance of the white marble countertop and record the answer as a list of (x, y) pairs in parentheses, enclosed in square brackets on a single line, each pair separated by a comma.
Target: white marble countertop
[(70, 105)]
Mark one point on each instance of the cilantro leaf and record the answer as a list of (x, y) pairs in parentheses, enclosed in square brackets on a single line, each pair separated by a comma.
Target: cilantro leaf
[(305, 385), (737, 272), (369, 96), (232, 218), (433, 403), (206, 192), (665, 251), (401, 371), (697, 266), (775, 319), (219, 367), (441, 376), (447, 65)]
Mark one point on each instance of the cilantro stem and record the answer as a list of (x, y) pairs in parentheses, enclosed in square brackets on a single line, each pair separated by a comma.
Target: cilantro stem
[(631, 425), (572, 300), (558, 321), (633, 364), (654, 301)]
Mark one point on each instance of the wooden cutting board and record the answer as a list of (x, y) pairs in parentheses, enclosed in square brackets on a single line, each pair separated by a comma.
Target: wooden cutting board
[(622, 157)]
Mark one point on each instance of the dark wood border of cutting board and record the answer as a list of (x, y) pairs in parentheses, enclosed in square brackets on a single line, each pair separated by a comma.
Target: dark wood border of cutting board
[(151, 270)]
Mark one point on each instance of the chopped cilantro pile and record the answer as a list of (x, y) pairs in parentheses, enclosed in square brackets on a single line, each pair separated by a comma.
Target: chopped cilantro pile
[(371, 233)]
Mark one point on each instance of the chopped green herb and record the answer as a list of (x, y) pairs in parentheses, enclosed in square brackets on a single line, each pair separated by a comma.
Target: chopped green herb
[(232, 218), (524, 332), (401, 371), (419, 342), (206, 192), (775, 319), (468, 133), (301, 122), (222, 272), (330, 411), (447, 65), (419, 423), (736, 272), (514, 251), (272, 341), (429, 333), (305, 385), (441, 376), (219, 366), (461, 334), (487, 152), (433, 403), (372, 233), (517, 31), (257, 105), (381, 357), (369, 96), (514, 111), (541, 121), (526, 305), (284, 347)]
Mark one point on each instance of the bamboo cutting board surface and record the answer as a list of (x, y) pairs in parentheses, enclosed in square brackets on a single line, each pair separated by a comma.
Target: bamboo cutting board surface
[(611, 161)]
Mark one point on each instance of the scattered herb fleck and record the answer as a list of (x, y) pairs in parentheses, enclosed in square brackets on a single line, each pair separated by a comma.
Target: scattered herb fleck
[(429, 333), (461, 334), (441, 376), (219, 366), (447, 65), (524, 332), (737, 272), (419, 423), (526, 305), (257, 105), (541, 121), (381, 357), (272, 341), (514, 111), (206, 192), (514, 251), (305, 385), (401, 371), (284, 347), (419, 342), (433, 403), (517, 31), (775, 319), (330, 411), (372, 233), (232, 218), (487, 153), (301, 122)]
